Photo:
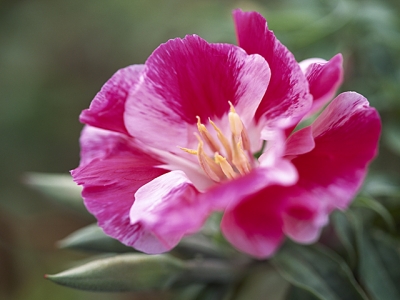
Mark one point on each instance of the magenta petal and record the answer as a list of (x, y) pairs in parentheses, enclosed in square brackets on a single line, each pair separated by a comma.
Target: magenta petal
[(346, 137), (189, 77), (107, 108), (234, 191), (287, 96), (324, 79), (168, 209), (255, 225), (113, 170)]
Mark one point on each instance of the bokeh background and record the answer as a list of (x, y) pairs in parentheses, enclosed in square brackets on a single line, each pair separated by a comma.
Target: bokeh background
[(55, 55)]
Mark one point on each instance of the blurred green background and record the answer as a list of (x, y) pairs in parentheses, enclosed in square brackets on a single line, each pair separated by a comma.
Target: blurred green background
[(55, 56)]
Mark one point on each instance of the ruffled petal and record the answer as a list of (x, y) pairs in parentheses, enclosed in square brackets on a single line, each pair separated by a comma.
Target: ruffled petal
[(232, 192), (324, 79), (346, 138), (255, 225), (113, 169), (107, 108), (287, 98), (189, 77), (168, 208)]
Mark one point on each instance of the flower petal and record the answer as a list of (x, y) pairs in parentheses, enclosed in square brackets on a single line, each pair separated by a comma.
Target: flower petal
[(113, 170), (255, 225), (300, 142), (324, 79), (287, 98), (168, 208), (346, 136), (107, 108), (189, 77), (232, 192)]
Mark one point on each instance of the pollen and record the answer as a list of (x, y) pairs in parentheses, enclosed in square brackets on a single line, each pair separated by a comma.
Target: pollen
[(231, 160)]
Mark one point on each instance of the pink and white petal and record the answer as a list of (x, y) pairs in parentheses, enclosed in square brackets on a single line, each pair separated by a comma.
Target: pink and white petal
[(110, 177), (287, 98), (168, 208), (324, 79), (107, 108), (300, 142), (304, 64), (99, 143), (304, 226), (189, 77), (346, 138), (255, 225)]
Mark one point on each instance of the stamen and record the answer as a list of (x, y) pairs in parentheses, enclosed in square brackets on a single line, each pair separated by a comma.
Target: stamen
[(240, 159), (206, 163), (225, 166), (207, 136), (245, 140), (224, 141)]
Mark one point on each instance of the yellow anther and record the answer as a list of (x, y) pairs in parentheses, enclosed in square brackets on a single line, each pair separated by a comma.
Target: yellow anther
[(237, 128), (237, 160), (235, 123), (224, 141), (225, 166), (190, 151), (207, 136), (240, 159)]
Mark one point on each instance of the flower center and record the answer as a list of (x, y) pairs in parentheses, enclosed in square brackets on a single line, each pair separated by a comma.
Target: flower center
[(237, 160)]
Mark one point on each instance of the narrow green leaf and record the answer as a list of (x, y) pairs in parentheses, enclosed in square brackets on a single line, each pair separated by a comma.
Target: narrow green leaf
[(262, 281), (319, 271), (377, 207), (189, 292), (198, 244), (126, 272), (214, 292), (92, 238), (381, 185), (208, 271), (379, 263), (58, 187), (344, 231), (389, 251), (296, 293)]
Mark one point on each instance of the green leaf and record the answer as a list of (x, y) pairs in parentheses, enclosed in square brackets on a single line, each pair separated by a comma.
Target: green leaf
[(92, 238), (345, 233), (126, 272), (378, 185), (391, 137), (198, 244), (377, 207), (189, 292), (379, 263), (296, 293), (318, 271), (59, 187), (262, 281), (209, 271)]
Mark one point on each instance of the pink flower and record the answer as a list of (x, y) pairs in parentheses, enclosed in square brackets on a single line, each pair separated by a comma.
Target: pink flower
[(171, 141)]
